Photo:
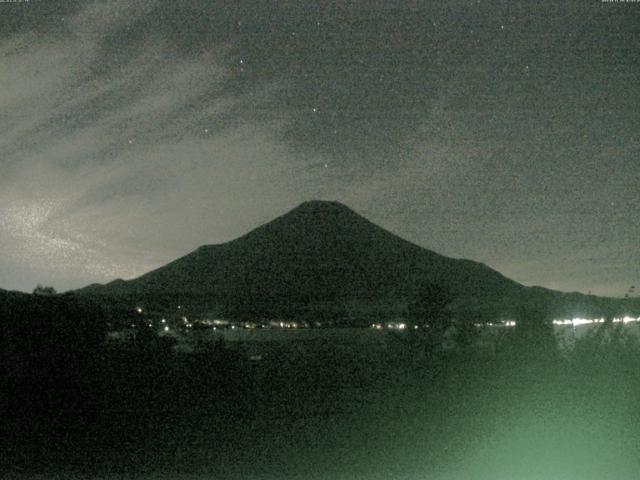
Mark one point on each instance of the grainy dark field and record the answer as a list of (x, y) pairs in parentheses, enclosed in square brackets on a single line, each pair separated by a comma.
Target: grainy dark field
[(320, 409)]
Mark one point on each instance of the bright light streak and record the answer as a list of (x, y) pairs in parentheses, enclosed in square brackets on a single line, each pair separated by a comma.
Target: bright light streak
[(581, 321), (588, 321), (563, 322)]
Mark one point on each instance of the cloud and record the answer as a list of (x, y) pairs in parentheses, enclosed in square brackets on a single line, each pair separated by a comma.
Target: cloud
[(132, 132), (107, 175)]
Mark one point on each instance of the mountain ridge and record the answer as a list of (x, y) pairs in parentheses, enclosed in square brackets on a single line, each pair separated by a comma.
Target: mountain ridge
[(324, 255)]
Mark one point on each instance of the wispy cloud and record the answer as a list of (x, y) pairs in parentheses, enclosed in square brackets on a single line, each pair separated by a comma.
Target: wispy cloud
[(132, 132), (106, 175)]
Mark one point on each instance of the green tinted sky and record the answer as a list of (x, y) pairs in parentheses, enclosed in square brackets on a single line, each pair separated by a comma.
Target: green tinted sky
[(504, 132)]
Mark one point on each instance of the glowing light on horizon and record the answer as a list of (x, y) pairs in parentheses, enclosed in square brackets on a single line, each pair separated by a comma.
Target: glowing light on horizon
[(576, 322)]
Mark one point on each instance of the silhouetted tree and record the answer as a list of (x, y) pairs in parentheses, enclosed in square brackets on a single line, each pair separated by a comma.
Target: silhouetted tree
[(44, 291), (53, 345), (534, 335), (470, 311), (429, 309)]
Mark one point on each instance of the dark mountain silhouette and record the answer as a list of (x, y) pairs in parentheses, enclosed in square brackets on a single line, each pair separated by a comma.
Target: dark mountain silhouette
[(324, 256)]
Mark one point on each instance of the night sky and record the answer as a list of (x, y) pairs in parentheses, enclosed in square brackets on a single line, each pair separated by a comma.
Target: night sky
[(132, 132)]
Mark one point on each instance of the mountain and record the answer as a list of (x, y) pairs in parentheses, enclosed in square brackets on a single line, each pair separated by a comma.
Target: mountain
[(323, 258)]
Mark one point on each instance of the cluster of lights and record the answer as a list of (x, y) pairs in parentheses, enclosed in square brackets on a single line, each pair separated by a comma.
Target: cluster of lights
[(575, 322), (288, 325), (588, 321), (392, 326)]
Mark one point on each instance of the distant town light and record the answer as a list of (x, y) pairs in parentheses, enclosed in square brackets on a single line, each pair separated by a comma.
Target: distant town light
[(581, 321), (166, 328), (588, 321)]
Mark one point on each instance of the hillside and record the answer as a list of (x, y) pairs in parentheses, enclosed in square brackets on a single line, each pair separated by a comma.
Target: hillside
[(322, 256)]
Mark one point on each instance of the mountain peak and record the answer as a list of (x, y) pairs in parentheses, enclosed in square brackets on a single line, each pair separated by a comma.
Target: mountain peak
[(323, 206), (330, 214), (323, 259), (325, 215)]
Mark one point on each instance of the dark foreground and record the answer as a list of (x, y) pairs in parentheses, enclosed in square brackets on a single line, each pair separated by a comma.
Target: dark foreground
[(312, 410)]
